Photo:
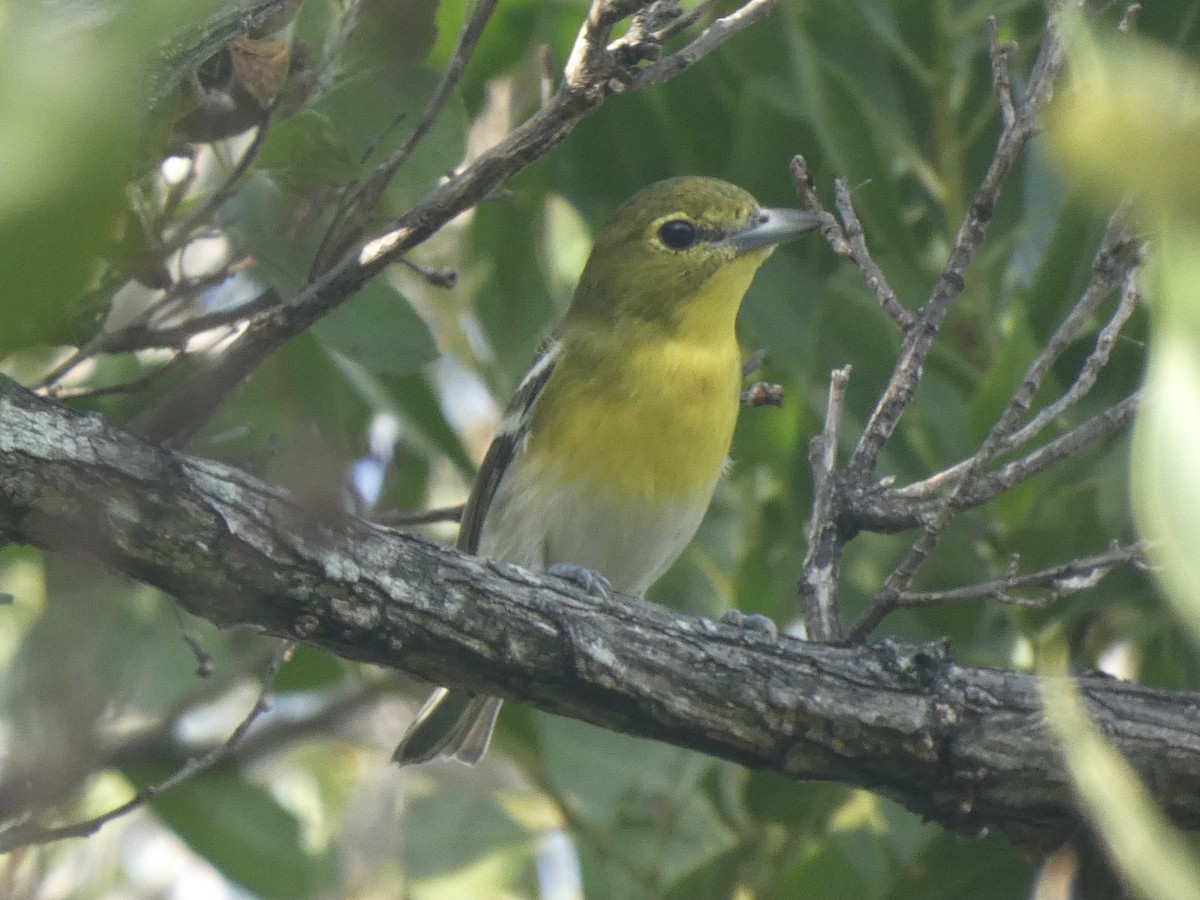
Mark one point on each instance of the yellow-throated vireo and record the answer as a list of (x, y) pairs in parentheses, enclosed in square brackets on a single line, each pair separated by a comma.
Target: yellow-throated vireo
[(609, 453)]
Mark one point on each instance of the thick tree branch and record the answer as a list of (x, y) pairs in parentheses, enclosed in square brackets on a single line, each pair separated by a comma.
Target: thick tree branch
[(963, 746)]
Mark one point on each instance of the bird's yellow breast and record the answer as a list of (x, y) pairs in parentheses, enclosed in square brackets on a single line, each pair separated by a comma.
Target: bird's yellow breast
[(664, 440), (649, 412)]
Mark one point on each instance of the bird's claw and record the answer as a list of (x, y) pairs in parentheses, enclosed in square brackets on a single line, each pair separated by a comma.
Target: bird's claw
[(749, 621), (588, 579)]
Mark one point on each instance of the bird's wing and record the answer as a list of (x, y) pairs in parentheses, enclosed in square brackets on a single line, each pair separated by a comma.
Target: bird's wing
[(505, 446)]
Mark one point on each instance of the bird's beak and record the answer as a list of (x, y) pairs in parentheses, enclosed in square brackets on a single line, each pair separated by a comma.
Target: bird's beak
[(772, 226)]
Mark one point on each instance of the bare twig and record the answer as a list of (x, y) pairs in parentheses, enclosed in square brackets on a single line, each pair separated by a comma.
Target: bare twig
[(889, 510), (140, 336), (1107, 262), (402, 518), (180, 233), (204, 660), (872, 274), (590, 65), (705, 43), (807, 192), (352, 217), (960, 497), (1059, 581), (1130, 297), (687, 20), (919, 338), (28, 833), (851, 243), (998, 56), (1105, 267), (753, 362), (1116, 418), (822, 563), (124, 387)]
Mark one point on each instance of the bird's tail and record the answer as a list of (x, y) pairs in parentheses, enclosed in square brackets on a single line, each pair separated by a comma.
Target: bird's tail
[(453, 724)]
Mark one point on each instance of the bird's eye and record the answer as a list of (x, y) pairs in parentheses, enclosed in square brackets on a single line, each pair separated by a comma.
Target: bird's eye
[(678, 234)]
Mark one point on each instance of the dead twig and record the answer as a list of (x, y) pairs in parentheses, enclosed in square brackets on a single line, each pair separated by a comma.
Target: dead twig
[(819, 574), (29, 833)]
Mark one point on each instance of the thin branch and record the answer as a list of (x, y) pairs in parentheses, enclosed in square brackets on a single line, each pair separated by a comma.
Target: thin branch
[(686, 21), (705, 43), (204, 660), (401, 518), (872, 274), (851, 243), (1105, 266), (890, 510), (1059, 581), (1130, 298), (125, 387), (919, 338), (807, 192), (998, 56), (141, 336), (28, 833), (590, 65), (180, 233), (1106, 262), (822, 563), (351, 218), (1116, 418)]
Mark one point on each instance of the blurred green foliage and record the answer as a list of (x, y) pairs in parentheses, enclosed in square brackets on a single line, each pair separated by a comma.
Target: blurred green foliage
[(892, 95), (1126, 128)]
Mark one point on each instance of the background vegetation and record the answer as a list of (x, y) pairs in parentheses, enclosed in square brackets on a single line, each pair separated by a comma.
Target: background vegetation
[(100, 692)]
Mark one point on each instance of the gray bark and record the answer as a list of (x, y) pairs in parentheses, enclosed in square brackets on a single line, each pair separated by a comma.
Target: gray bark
[(963, 746)]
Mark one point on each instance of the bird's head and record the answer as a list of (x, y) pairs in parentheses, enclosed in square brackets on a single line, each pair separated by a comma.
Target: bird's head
[(678, 243)]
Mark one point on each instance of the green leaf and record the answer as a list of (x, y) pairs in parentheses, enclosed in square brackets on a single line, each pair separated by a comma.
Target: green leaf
[(306, 150), (421, 407), (70, 105), (260, 222), (950, 868), (310, 668), (393, 35), (374, 111), (826, 873), (243, 831), (468, 810), (379, 329), (294, 400), (646, 799)]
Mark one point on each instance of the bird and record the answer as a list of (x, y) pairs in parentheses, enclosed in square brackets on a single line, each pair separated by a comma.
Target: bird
[(608, 455)]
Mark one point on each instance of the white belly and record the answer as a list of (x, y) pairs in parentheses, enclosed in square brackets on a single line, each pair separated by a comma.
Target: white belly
[(536, 522)]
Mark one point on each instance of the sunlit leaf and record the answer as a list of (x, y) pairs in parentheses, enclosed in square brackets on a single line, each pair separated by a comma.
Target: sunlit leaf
[(243, 831)]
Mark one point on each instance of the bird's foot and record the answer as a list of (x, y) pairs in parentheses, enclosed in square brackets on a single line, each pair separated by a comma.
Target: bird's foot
[(588, 579), (750, 621)]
